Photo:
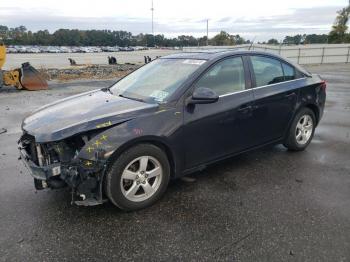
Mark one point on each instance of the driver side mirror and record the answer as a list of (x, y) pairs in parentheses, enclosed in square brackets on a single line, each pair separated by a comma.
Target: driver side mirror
[(203, 95)]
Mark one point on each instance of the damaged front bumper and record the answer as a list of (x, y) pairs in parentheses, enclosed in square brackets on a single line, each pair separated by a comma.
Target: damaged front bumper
[(84, 180), (37, 172)]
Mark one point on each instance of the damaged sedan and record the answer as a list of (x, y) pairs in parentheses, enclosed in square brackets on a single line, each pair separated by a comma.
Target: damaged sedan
[(167, 119)]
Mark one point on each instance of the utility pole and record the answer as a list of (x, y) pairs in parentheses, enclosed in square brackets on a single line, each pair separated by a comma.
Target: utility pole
[(208, 31), (154, 39)]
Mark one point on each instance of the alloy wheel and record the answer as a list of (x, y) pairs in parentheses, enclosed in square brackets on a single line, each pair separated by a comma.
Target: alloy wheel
[(141, 178), (304, 129)]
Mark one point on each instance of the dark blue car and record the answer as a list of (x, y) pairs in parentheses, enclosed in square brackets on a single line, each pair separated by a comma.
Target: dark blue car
[(169, 118)]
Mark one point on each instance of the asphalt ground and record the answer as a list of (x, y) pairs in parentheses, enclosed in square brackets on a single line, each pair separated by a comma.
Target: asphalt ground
[(265, 205)]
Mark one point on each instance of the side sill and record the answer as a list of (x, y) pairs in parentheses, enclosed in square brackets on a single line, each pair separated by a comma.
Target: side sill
[(201, 167)]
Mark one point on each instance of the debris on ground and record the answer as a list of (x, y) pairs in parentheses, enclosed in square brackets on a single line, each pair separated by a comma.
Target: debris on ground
[(298, 180), (3, 130), (72, 62), (88, 72), (20, 240)]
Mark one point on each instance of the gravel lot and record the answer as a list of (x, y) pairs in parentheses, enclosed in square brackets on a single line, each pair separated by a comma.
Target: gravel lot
[(61, 60), (266, 205)]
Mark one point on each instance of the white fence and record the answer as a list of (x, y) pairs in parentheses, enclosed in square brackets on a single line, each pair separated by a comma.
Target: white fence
[(301, 54)]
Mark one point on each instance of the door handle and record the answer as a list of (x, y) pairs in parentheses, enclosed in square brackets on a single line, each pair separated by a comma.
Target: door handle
[(244, 108), (290, 95)]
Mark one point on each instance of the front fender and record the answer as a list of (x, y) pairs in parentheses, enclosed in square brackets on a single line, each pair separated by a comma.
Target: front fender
[(164, 128)]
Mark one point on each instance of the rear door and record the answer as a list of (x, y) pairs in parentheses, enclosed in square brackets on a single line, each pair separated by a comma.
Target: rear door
[(276, 93), (212, 131)]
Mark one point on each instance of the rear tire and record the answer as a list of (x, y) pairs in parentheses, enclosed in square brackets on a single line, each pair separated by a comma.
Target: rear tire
[(138, 177), (301, 130)]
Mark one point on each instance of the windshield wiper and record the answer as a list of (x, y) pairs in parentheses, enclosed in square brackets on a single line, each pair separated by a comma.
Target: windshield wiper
[(107, 89), (132, 98)]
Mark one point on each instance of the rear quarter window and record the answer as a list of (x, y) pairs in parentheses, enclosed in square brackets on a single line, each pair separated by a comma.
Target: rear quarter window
[(289, 72), (267, 70)]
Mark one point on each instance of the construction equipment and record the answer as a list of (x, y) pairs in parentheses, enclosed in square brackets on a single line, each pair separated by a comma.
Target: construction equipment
[(26, 77)]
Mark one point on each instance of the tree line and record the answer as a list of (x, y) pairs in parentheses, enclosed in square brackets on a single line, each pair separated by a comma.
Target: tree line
[(339, 33), (74, 37)]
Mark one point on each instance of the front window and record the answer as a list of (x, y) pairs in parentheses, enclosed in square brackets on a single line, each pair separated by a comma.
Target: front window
[(156, 81), (225, 77)]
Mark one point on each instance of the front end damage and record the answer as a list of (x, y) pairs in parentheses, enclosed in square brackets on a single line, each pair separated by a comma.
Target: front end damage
[(57, 165)]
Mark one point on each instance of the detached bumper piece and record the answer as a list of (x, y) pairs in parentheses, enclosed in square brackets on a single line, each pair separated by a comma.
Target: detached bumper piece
[(40, 173), (44, 163)]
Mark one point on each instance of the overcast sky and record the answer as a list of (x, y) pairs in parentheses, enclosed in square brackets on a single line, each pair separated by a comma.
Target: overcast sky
[(262, 19)]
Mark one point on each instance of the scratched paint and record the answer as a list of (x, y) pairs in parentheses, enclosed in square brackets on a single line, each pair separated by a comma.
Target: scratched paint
[(90, 149), (97, 143), (88, 163), (160, 111), (137, 131), (106, 124)]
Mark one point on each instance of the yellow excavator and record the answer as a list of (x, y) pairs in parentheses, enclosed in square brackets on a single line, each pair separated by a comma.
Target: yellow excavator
[(26, 77)]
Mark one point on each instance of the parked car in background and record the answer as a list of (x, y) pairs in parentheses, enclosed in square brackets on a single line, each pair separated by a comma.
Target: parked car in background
[(33, 50), (11, 50), (52, 49), (167, 119), (70, 49)]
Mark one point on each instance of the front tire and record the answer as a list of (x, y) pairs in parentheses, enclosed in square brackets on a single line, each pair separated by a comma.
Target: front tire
[(138, 177), (301, 130)]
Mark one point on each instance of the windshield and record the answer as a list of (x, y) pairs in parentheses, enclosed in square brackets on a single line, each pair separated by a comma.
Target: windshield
[(156, 81)]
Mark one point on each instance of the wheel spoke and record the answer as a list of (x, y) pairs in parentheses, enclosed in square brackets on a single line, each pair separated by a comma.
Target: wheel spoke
[(299, 135), (127, 174), (133, 189), (299, 126), (304, 138), (308, 127), (154, 172), (143, 163), (149, 190)]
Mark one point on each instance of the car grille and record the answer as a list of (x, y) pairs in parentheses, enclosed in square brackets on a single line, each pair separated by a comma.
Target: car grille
[(40, 154)]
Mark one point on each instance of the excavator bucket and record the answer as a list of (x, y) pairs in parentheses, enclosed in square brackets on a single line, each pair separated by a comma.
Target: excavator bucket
[(2, 55), (31, 79)]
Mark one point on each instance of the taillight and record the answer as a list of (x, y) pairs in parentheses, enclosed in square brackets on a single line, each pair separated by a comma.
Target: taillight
[(323, 84)]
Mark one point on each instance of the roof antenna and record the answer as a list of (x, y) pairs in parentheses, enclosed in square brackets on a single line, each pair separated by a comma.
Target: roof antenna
[(251, 43)]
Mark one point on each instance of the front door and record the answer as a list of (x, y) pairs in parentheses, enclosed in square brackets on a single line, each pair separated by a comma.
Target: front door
[(215, 130)]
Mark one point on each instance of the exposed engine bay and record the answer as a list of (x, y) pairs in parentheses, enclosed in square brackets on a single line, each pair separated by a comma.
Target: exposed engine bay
[(56, 165)]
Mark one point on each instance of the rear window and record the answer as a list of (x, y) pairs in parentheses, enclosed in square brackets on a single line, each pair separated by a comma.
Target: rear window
[(267, 70)]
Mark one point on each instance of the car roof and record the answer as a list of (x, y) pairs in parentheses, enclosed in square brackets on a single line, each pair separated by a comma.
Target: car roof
[(214, 54)]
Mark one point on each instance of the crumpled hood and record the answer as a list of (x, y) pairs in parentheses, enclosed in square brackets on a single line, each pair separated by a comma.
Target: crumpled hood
[(80, 113)]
